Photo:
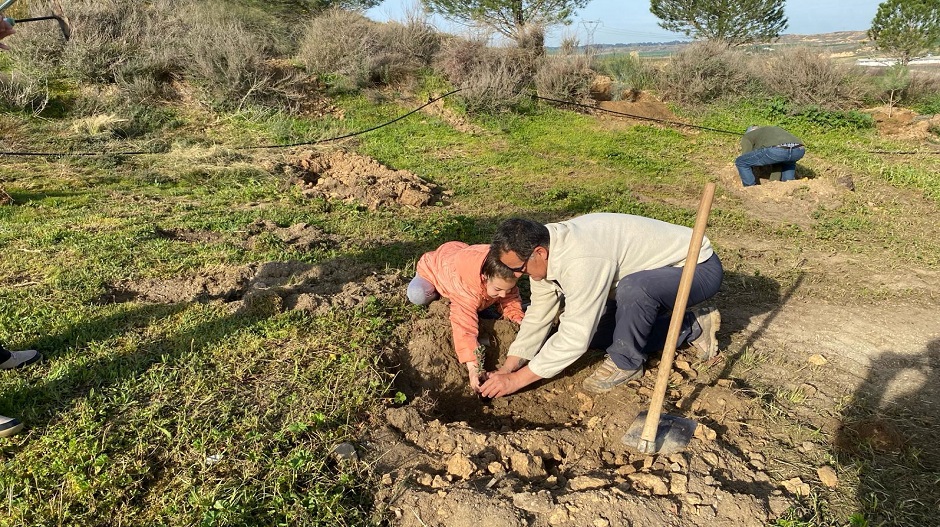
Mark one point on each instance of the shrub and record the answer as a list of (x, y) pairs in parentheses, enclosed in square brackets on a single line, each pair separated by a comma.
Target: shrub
[(344, 45), (564, 76), (491, 79), (404, 49), (807, 78), (704, 72), (24, 90), (629, 72), (142, 47), (923, 93)]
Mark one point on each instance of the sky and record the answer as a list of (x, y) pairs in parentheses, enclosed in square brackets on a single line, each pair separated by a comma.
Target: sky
[(630, 21)]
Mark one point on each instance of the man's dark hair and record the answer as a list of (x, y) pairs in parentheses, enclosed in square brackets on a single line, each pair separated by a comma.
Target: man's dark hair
[(493, 268), (520, 236)]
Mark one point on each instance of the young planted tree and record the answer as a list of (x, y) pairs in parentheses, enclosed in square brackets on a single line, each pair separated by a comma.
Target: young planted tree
[(906, 28), (733, 22), (517, 20)]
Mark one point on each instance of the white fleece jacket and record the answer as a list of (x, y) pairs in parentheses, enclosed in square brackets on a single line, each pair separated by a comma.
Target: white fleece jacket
[(588, 256)]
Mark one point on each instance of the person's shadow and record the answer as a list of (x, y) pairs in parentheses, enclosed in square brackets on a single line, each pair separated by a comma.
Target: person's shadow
[(888, 436)]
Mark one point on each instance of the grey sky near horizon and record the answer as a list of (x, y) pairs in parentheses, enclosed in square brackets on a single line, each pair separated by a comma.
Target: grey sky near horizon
[(630, 21)]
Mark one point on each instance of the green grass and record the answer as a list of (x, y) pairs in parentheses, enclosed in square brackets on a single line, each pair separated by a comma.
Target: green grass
[(192, 414)]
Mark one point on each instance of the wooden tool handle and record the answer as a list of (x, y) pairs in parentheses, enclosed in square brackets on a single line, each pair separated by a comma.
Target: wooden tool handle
[(648, 437)]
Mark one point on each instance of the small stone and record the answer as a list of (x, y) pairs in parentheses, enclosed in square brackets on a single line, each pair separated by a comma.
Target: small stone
[(725, 383), (808, 389), (693, 498), (461, 466), (827, 475), (711, 458), (796, 486), (808, 446), (650, 483), (495, 468), (704, 433), (678, 484), (386, 479), (601, 522), (438, 482), (587, 483), (816, 360), (682, 365), (345, 452)]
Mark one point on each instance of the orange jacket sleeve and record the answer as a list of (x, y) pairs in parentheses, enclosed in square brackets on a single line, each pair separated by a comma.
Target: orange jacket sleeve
[(464, 322)]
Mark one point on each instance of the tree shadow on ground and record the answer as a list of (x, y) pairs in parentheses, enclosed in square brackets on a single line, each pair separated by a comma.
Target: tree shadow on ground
[(889, 437)]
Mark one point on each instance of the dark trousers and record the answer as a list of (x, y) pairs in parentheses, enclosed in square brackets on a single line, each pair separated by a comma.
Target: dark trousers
[(636, 323)]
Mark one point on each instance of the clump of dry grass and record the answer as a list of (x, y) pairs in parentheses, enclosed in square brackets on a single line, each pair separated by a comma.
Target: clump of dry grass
[(565, 76), (704, 72), (805, 77), (491, 79)]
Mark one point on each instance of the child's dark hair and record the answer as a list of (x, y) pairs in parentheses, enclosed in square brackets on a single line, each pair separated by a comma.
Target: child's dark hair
[(493, 268)]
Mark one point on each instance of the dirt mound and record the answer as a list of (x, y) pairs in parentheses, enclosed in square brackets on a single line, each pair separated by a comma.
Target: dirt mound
[(903, 123), (456, 121), (637, 104), (358, 179), (552, 455), (269, 287), (786, 201), (301, 236)]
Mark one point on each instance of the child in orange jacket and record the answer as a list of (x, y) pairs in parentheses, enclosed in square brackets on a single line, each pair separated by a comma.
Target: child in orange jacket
[(472, 282)]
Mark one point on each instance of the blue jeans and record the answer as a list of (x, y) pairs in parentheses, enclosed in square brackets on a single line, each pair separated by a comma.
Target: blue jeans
[(637, 323), (786, 157)]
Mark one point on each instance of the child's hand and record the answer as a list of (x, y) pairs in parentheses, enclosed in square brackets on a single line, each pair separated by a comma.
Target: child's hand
[(473, 370)]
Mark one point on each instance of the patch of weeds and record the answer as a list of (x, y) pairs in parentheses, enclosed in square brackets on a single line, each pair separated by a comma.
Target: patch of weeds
[(811, 511), (834, 119), (142, 121)]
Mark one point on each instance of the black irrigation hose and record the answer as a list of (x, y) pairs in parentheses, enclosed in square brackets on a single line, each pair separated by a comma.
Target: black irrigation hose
[(399, 118), (145, 152)]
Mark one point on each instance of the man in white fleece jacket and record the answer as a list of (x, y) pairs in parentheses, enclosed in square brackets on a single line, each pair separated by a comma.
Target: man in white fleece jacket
[(618, 276)]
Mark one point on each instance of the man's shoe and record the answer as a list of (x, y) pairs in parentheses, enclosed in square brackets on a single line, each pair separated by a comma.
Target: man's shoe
[(709, 319), (608, 375), (9, 426), (18, 359)]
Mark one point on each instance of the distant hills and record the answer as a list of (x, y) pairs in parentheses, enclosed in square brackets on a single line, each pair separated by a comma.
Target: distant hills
[(839, 42)]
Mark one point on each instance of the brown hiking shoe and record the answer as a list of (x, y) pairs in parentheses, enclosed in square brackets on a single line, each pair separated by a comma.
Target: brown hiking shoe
[(709, 319), (608, 375)]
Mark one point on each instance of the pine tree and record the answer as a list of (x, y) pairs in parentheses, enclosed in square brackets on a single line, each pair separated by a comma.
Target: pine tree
[(733, 22), (517, 20), (906, 28)]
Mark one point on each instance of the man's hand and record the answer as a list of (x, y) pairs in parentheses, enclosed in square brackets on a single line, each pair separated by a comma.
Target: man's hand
[(473, 370), (512, 364), (499, 384)]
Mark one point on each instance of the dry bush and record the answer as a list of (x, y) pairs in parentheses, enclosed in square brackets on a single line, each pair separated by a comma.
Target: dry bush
[(490, 79), (925, 86), (807, 78), (404, 49), (343, 44), (227, 57), (565, 76), (24, 90), (144, 47), (706, 71)]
